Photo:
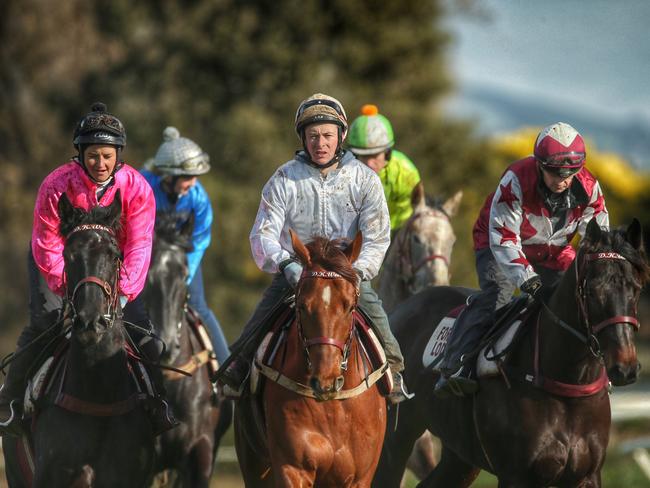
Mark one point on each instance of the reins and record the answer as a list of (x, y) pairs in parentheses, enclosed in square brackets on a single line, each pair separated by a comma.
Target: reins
[(588, 338)]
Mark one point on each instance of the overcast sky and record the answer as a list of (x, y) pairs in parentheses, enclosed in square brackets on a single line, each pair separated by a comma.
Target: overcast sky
[(591, 53)]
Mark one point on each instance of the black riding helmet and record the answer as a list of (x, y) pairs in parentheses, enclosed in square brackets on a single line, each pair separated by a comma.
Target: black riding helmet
[(99, 127)]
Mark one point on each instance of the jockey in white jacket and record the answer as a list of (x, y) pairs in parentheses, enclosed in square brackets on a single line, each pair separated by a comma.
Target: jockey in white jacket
[(323, 191)]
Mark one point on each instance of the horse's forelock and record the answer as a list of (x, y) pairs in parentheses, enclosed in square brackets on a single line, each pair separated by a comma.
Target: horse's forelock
[(330, 256)]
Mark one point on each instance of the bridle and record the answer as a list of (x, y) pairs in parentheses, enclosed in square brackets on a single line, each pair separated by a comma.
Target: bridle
[(589, 337), (111, 291), (322, 340), (406, 268)]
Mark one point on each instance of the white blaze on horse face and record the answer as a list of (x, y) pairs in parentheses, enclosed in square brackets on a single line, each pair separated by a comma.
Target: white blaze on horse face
[(327, 295)]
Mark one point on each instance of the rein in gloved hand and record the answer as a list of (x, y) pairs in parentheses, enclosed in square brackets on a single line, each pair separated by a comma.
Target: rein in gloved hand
[(533, 286)]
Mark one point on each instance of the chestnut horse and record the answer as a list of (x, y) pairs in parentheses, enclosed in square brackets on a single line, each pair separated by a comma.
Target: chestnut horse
[(324, 426), (546, 421), (190, 449)]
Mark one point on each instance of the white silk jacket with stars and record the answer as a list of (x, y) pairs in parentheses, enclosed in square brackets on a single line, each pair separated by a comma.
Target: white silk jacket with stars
[(517, 226), (298, 197)]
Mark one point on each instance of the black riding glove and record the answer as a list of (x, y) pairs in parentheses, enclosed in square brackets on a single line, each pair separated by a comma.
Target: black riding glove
[(533, 287)]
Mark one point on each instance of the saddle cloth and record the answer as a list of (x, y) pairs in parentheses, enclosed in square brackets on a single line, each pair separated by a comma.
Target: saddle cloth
[(508, 323), (371, 348)]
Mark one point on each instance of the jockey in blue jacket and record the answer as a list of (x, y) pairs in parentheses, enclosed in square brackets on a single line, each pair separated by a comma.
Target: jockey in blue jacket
[(173, 175)]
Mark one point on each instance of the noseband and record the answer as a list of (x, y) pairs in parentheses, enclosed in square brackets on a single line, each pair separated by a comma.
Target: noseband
[(111, 292), (322, 340), (407, 269)]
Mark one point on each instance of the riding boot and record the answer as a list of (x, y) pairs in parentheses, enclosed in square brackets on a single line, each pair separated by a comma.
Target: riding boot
[(160, 412), (234, 377), (13, 390), (455, 372)]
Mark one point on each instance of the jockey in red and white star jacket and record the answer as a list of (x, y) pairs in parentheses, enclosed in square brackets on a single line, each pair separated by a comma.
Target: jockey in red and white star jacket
[(134, 237), (517, 223)]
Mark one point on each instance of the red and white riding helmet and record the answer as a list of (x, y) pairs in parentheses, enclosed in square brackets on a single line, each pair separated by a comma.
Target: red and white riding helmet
[(560, 149)]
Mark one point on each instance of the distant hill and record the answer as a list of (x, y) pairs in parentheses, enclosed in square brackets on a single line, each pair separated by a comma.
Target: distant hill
[(498, 110)]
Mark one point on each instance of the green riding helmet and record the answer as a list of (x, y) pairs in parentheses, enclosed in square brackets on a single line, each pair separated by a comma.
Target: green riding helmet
[(370, 133)]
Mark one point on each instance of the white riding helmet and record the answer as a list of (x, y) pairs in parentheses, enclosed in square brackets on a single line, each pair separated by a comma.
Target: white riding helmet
[(179, 156)]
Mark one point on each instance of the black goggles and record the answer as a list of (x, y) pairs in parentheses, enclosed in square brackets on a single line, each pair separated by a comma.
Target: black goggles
[(101, 121), (319, 101)]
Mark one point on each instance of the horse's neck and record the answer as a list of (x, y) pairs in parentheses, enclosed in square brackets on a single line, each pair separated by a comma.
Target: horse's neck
[(562, 355), (100, 372)]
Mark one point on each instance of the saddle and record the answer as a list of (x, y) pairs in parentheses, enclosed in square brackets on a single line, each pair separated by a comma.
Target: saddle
[(372, 352), (495, 344)]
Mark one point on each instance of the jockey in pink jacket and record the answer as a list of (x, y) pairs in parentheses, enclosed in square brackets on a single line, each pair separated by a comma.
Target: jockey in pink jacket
[(522, 239), (93, 178), (137, 221)]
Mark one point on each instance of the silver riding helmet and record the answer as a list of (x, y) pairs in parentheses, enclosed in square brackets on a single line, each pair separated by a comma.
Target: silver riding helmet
[(178, 156)]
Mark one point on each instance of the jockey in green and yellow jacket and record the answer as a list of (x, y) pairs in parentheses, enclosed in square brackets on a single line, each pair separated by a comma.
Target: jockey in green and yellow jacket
[(371, 139)]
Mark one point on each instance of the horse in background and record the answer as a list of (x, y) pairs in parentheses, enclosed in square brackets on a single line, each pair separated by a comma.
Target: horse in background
[(544, 419), (89, 428), (419, 257), (322, 419), (190, 449)]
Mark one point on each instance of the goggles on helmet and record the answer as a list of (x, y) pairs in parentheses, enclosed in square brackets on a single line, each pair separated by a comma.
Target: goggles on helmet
[(100, 121), (563, 164), (320, 101)]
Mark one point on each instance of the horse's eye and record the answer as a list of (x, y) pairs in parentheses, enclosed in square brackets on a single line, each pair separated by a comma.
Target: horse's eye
[(416, 239)]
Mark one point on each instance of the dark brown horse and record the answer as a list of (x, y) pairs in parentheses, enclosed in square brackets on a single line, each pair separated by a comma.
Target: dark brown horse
[(322, 424), (90, 428), (547, 423), (190, 449)]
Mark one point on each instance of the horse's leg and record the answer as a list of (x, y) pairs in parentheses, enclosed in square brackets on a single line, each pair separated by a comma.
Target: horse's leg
[(451, 472), (200, 464), (423, 457), (397, 445), (255, 468)]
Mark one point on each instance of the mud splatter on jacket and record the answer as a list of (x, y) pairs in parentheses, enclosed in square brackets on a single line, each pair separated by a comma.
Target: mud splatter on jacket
[(297, 197)]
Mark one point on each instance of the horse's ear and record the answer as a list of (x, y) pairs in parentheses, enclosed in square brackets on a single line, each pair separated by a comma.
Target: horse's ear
[(187, 227), (417, 196), (634, 235), (66, 210), (593, 231), (302, 253), (115, 210), (451, 205), (354, 248)]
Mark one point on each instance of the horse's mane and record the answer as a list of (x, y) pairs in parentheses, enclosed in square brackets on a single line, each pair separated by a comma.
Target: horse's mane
[(167, 229), (615, 241), (330, 256)]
